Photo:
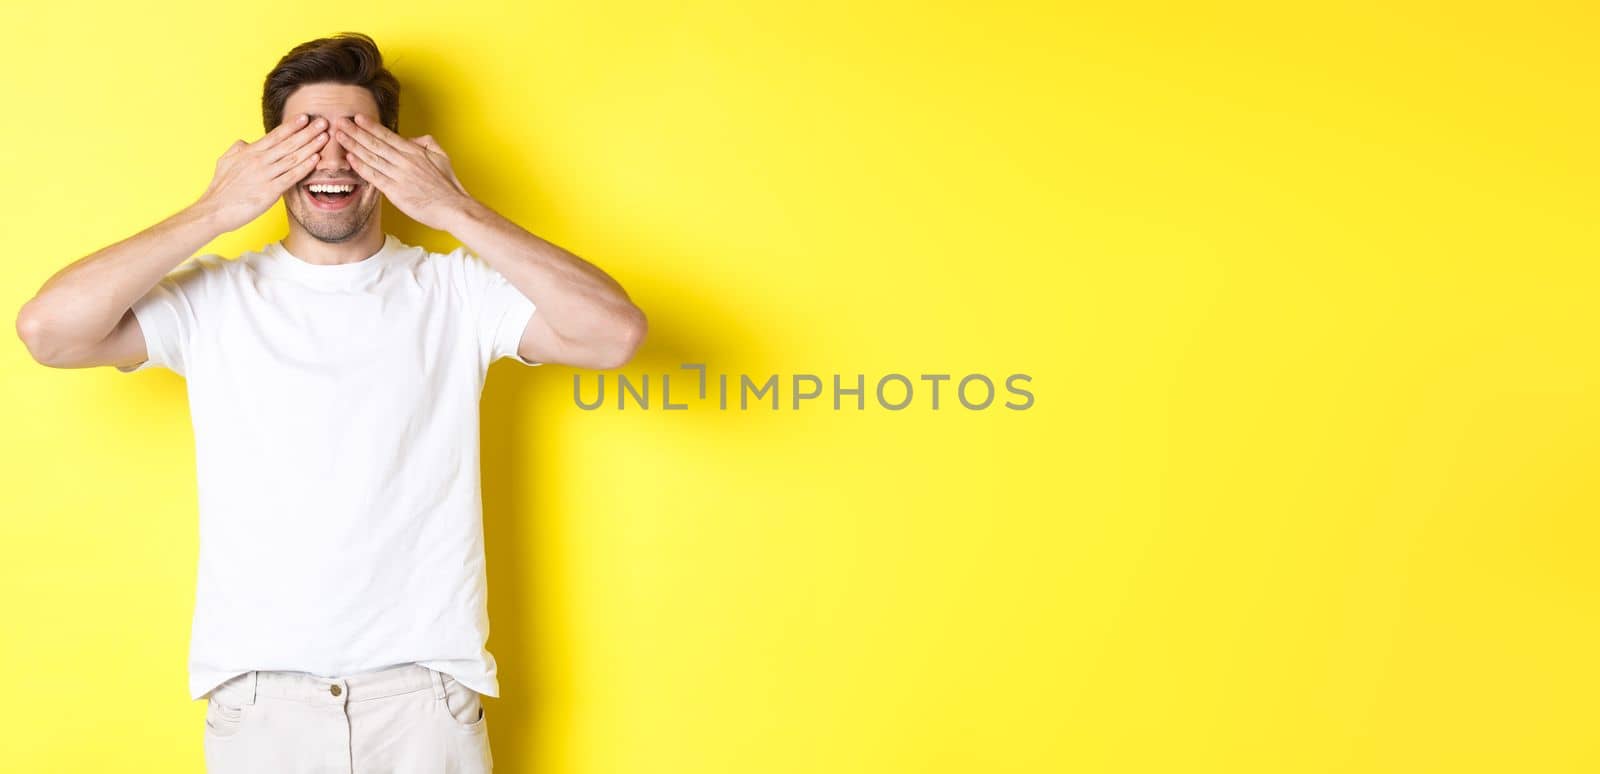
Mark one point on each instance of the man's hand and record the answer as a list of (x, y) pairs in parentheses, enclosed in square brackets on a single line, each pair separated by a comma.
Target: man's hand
[(251, 176), (413, 174)]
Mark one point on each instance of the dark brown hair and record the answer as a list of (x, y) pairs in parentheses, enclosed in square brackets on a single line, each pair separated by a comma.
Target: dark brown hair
[(349, 58)]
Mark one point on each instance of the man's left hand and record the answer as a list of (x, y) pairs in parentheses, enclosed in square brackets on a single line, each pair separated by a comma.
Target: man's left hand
[(414, 174)]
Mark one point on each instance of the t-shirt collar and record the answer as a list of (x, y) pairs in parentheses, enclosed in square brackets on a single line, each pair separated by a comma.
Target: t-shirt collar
[(366, 267)]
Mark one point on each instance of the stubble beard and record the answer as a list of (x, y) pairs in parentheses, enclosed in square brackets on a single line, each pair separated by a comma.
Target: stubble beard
[(332, 227)]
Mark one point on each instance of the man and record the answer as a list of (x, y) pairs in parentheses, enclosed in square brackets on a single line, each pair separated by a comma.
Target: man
[(333, 376)]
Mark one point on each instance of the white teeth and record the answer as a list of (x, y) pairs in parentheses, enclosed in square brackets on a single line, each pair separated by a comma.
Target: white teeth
[(321, 188)]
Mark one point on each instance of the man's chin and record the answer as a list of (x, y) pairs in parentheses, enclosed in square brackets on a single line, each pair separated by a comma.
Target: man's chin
[(331, 227)]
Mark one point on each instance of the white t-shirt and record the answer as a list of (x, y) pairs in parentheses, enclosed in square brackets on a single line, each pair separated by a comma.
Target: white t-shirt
[(335, 413)]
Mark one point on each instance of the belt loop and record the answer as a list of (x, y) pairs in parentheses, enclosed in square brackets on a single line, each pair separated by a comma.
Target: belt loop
[(251, 698), (438, 682)]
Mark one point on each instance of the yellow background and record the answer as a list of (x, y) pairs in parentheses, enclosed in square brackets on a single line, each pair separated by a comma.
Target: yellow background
[(1308, 297)]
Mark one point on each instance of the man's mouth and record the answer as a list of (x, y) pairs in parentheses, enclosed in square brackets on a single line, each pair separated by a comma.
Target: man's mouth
[(331, 196)]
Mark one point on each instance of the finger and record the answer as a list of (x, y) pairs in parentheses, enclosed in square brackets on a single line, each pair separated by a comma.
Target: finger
[(384, 166), (381, 134), (234, 148), (296, 173), (289, 126), (294, 157), (365, 140), (378, 129), (369, 173), (292, 160), (389, 165), (296, 141)]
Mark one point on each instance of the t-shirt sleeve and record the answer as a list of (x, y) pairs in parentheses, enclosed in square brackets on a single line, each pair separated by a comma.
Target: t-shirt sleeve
[(502, 311), (172, 311)]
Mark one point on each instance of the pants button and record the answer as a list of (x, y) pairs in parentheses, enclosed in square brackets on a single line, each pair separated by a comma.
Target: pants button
[(333, 689)]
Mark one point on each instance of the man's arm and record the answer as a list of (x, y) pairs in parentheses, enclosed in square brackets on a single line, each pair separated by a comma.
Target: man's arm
[(82, 316), (583, 317)]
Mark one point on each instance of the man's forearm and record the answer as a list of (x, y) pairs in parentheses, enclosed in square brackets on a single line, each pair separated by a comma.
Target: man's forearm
[(578, 300), (83, 302)]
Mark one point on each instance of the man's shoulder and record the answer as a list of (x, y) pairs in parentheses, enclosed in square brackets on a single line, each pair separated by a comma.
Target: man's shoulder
[(457, 266), (227, 264), (198, 271)]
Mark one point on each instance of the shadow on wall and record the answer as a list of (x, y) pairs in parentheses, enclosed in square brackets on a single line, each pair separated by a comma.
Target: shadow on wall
[(685, 325)]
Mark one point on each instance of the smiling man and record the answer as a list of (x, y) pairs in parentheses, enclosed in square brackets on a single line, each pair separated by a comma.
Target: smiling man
[(341, 615)]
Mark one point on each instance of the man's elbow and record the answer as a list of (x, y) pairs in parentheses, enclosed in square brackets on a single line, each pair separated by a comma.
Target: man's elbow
[(631, 328), (33, 332)]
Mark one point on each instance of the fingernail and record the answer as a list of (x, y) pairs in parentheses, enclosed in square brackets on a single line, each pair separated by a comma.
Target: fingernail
[(304, 117)]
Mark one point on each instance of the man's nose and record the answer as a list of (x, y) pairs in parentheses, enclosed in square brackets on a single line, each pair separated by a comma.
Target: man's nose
[(331, 155)]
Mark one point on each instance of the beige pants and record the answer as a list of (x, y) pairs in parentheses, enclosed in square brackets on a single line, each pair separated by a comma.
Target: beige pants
[(406, 719)]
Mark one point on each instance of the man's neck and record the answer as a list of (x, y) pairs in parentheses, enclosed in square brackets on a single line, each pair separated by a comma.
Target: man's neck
[(312, 250)]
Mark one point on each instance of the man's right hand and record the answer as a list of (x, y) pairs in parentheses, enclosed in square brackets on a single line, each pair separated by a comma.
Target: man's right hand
[(251, 176)]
